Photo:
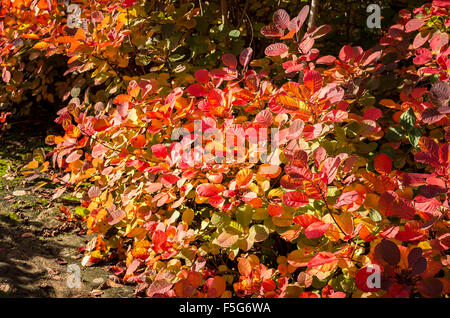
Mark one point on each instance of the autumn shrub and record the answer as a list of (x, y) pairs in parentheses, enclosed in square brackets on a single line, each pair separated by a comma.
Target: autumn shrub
[(293, 175)]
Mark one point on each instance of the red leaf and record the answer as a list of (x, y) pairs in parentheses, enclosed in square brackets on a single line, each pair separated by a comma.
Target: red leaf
[(422, 56), (274, 210), (383, 164), (229, 60), (362, 280), (160, 151), (316, 229), (202, 76), (373, 113), (197, 90), (295, 199), (391, 204)]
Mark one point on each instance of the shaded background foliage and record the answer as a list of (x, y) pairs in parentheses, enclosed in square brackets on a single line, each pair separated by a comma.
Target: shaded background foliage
[(174, 47)]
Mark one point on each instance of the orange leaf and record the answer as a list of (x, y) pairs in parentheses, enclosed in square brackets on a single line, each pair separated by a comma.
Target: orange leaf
[(138, 141), (389, 103), (244, 177), (122, 98)]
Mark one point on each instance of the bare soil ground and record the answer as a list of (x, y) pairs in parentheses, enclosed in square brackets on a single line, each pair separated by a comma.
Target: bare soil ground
[(35, 247)]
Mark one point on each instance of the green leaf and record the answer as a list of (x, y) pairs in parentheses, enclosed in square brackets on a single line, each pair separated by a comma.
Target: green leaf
[(234, 33), (408, 119), (258, 233), (414, 136), (82, 211), (375, 215), (220, 219), (394, 134), (244, 215)]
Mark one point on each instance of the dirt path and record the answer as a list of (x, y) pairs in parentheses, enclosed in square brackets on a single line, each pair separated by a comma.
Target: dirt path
[(36, 248)]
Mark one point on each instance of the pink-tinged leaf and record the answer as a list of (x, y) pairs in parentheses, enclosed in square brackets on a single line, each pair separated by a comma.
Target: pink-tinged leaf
[(281, 18), (423, 56), (208, 190), (94, 192), (296, 129), (99, 150), (313, 81), (160, 287), (272, 31), (245, 56), (322, 258), (226, 239), (383, 164), (346, 198), (298, 21), (116, 216), (420, 40), (319, 155), (441, 91), (276, 49), (306, 46), (316, 229), (264, 118), (330, 166), (202, 76), (335, 116), (229, 60), (6, 75), (438, 41), (372, 58), (295, 199), (74, 156), (346, 53), (414, 25), (321, 31), (327, 60), (431, 115)]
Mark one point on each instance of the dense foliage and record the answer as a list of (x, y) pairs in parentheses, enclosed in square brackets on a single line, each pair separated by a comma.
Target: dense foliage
[(362, 140)]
